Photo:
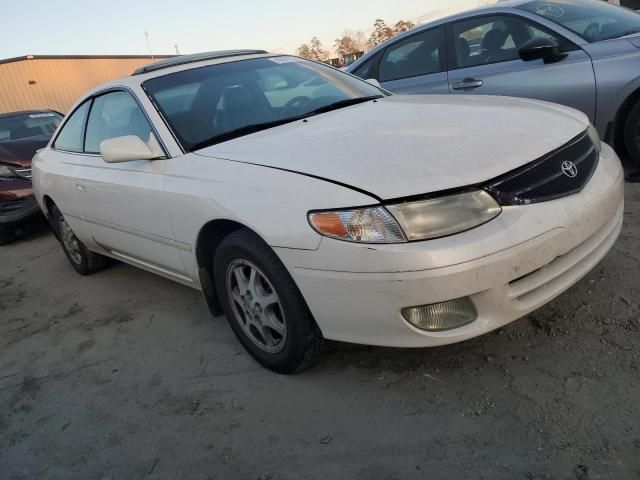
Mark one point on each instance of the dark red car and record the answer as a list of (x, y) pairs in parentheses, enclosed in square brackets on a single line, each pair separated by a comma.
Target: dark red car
[(21, 135)]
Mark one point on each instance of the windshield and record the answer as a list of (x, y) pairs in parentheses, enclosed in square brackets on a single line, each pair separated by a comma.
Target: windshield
[(593, 20), (20, 126), (219, 102)]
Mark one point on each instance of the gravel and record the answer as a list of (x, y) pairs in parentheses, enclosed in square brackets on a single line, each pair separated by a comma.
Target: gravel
[(127, 375)]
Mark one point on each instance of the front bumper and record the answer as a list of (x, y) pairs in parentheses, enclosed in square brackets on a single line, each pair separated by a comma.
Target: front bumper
[(17, 211), (508, 268)]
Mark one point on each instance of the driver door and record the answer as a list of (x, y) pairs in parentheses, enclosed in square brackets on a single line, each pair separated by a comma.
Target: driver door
[(485, 61), (415, 65), (123, 204)]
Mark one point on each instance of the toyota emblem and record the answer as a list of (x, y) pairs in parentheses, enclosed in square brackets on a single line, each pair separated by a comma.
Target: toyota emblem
[(570, 169)]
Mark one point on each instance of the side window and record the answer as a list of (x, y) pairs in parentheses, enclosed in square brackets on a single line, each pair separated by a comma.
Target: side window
[(114, 115), (494, 39), (565, 45), (413, 56), (72, 133), (364, 71)]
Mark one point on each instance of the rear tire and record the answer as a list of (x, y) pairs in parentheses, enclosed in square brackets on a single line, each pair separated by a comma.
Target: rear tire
[(263, 305), (632, 133), (84, 261)]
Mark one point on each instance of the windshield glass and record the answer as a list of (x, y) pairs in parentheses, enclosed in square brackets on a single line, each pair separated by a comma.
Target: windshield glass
[(592, 20), (215, 103), (18, 127)]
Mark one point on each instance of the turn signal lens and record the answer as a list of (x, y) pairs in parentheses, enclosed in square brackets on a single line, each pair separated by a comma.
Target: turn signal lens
[(441, 316), (366, 225)]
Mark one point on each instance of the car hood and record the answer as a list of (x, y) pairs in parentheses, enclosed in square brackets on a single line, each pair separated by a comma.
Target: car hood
[(21, 152), (410, 145)]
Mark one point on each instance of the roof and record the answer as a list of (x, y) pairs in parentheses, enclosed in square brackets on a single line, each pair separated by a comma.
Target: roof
[(196, 57), (192, 61), (82, 57)]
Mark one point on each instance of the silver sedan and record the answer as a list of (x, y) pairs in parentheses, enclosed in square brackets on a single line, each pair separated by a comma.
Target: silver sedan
[(580, 53)]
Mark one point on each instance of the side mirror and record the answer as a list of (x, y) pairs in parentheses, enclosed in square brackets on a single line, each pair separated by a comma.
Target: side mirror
[(128, 148), (373, 82), (546, 49)]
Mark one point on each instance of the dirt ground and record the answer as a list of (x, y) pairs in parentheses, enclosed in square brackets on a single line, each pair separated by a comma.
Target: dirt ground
[(126, 375)]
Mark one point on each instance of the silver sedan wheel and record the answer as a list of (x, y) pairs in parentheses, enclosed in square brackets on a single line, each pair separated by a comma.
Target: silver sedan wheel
[(70, 240), (256, 306)]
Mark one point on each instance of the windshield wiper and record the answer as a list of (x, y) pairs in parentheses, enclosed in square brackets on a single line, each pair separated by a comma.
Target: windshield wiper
[(239, 132), (342, 104), (258, 127)]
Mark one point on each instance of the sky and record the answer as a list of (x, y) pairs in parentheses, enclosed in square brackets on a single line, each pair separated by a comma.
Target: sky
[(116, 27)]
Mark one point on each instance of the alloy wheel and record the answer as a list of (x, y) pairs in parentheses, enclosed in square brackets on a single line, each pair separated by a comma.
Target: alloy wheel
[(256, 306), (70, 241)]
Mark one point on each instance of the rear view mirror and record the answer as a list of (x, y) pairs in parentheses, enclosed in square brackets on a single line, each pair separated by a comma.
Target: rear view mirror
[(546, 49), (128, 148)]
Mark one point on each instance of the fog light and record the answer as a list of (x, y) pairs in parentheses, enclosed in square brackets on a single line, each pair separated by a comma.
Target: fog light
[(441, 316)]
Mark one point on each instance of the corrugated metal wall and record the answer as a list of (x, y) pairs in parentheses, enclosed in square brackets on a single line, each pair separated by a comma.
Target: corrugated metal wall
[(59, 82)]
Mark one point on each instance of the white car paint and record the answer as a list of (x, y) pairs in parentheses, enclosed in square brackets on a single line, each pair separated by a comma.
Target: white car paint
[(399, 145), (150, 213)]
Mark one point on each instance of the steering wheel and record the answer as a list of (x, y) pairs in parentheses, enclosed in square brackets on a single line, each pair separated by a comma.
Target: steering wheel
[(295, 104)]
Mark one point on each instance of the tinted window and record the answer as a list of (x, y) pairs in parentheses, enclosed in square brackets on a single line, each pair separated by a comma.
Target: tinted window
[(235, 98), (486, 40), (17, 127), (114, 115), (593, 21), (413, 56), (365, 70), (179, 99), (71, 136)]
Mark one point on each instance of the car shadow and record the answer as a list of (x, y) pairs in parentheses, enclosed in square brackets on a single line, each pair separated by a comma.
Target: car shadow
[(32, 230)]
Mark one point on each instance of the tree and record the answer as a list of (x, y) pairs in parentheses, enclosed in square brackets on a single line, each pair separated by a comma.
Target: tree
[(381, 32), (304, 51), (350, 42), (403, 26), (313, 50)]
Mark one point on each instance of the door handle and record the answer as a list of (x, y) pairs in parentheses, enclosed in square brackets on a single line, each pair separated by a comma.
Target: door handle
[(467, 84), (81, 188)]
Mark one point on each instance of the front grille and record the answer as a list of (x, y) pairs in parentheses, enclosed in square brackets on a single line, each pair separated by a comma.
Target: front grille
[(561, 173)]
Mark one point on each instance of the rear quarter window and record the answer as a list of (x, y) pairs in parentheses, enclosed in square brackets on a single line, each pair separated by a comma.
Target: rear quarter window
[(71, 137)]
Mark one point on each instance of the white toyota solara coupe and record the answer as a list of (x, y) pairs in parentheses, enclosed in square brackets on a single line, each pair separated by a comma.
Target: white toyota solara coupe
[(308, 204)]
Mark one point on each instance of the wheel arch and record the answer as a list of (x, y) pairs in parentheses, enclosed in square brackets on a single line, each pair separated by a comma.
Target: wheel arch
[(617, 135), (209, 238), (48, 204)]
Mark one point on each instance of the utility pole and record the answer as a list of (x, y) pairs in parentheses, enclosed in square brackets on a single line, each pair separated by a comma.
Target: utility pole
[(177, 49), (146, 34)]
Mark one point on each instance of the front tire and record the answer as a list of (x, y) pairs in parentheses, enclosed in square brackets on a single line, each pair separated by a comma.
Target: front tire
[(84, 261), (263, 305)]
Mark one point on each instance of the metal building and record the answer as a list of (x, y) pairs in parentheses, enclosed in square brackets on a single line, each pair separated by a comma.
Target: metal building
[(56, 82)]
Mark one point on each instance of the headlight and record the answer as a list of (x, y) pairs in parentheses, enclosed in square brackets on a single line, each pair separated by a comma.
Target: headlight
[(7, 172), (411, 221), (439, 217), (366, 225), (595, 137)]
